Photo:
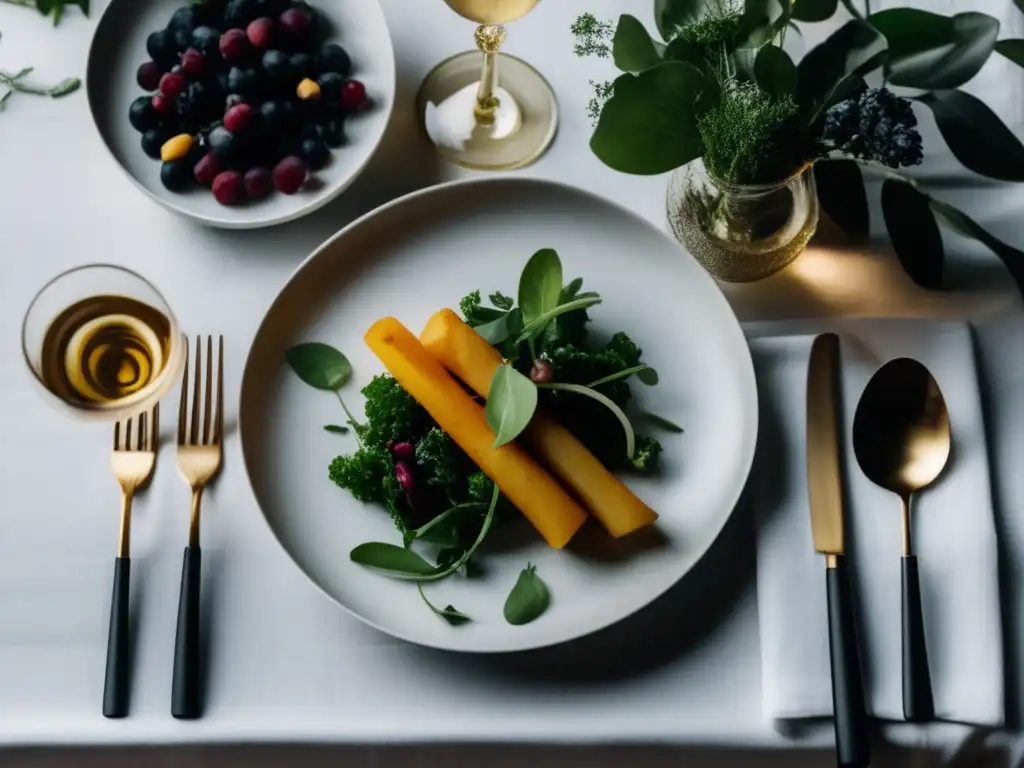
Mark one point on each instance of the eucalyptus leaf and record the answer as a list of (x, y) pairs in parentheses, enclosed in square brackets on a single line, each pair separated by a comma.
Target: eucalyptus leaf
[(319, 365), (683, 50), (649, 125), (511, 402), (774, 72), (1013, 50), (336, 428), (633, 50), (391, 560), (449, 613), (671, 15), (852, 50), (533, 329), (540, 284), (841, 193), (935, 52), (913, 231), (1012, 258), (814, 10), (976, 135), (762, 20), (528, 599)]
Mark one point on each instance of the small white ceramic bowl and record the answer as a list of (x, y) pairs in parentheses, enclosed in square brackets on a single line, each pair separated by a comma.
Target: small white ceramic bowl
[(119, 47)]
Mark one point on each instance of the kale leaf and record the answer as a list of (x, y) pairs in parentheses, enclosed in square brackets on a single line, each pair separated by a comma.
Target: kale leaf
[(475, 313), (440, 463), (645, 457), (392, 415)]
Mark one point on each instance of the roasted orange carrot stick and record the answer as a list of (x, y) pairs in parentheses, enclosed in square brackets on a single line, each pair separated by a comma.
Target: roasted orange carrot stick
[(466, 354), (533, 491)]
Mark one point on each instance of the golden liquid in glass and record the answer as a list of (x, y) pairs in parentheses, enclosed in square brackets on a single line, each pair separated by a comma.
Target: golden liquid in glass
[(104, 349), (492, 11)]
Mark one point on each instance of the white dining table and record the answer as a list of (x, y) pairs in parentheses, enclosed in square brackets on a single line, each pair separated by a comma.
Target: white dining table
[(293, 679)]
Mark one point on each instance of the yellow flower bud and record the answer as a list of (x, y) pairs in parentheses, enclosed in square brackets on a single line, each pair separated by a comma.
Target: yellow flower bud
[(308, 89), (176, 148)]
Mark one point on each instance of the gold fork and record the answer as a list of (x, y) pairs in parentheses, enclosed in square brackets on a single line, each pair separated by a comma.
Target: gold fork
[(133, 459), (199, 459)]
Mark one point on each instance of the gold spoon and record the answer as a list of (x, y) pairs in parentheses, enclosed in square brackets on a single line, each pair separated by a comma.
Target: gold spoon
[(901, 438)]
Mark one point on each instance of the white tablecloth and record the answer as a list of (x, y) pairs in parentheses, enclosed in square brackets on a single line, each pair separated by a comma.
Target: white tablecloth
[(286, 665)]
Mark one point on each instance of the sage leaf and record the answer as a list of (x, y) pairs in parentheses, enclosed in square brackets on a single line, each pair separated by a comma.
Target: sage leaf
[(976, 136), (64, 87), (336, 428), (1012, 258), (671, 15), (391, 560), (935, 52), (913, 231), (814, 10), (1013, 50), (662, 422), (852, 50), (540, 284), (319, 365), (774, 72), (511, 402), (528, 599), (841, 193), (533, 329), (607, 402), (649, 125), (449, 613), (633, 50)]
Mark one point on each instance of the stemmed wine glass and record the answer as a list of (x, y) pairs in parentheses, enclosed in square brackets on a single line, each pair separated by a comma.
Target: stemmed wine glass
[(499, 117), (102, 343)]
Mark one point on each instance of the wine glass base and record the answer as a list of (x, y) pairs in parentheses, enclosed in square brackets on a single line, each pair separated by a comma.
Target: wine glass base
[(521, 129)]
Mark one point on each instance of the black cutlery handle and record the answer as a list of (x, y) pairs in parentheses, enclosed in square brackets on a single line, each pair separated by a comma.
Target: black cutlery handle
[(918, 706), (851, 720), (116, 680), (185, 685)]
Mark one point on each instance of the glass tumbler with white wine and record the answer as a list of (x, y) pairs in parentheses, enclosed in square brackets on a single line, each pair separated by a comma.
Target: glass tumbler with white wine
[(483, 109), (102, 343)]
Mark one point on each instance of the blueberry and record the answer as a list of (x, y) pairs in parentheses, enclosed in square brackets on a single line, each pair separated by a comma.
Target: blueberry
[(141, 114), (244, 80), (272, 8), (304, 64), (278, 67), (233, 100), (239, 13), (224, 144), (311, 130), (334, 58), (330, 86), (152, 140), (186, 17), (272, 118), (315, 153), (333, 131), (160, 47), (176, 175), (206, 40)]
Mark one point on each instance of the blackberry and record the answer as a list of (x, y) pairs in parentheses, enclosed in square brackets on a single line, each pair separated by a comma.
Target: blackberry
[(875, 124)]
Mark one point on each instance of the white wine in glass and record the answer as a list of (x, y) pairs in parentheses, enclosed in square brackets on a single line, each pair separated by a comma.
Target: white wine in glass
[(483, 109)]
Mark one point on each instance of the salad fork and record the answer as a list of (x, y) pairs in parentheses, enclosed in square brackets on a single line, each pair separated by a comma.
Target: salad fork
[(132, 461), (199, 460)]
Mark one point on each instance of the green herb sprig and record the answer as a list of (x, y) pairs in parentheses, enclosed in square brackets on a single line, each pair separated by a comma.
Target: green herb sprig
[(54, 8), (15, 82)]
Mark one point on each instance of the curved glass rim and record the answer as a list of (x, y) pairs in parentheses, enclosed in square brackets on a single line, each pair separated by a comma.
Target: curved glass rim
[(124, 405)]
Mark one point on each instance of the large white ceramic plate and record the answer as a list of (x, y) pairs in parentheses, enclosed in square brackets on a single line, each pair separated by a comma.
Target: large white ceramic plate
[(119, 47), (423, 252)]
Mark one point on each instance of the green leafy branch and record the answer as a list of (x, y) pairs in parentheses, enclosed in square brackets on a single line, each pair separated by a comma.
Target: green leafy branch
[(54, 8), (15, 82)]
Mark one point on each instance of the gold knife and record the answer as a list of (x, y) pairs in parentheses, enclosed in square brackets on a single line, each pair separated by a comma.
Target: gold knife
[(824, 485)]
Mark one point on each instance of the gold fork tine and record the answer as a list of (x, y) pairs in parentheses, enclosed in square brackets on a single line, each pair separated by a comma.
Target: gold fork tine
[(183, 407), (117, 436), (141, 440), (194, 426), (128, 434), (218, 427), (154, 429), (209, 390)]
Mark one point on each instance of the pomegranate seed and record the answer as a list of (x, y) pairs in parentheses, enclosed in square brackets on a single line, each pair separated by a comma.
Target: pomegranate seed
[(295, 23), (192, 63), (161, 103), (353, 95), (234, 45), (207, 169), (542, 372), (172, 84), (237, 119), (149, 76), (228, 187), (258, 182), (290, 174), (261, 32)]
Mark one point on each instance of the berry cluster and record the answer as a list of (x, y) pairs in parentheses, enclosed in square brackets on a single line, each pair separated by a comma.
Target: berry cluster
[(245, 110), (875, 124)]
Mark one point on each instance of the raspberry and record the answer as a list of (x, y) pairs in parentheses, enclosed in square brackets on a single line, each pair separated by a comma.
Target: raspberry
[(192, 63), (353, 95), (207, 169), (228, 187), (295, 23), (290, 175), (234, 45), (148, 76), (258, 182), (261, 32), (237, 118), (172, 84), (162, 104)]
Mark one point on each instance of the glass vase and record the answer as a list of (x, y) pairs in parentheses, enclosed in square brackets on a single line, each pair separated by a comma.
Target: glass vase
[(742, 232)]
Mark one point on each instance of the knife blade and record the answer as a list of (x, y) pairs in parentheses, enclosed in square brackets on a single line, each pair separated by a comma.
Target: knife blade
[(825, 491)]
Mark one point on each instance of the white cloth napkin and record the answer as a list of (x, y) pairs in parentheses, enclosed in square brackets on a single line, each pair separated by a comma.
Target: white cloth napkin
[(953, 534)]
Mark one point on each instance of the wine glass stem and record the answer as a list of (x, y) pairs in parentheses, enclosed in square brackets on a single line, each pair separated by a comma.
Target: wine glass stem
[(489, 38)]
